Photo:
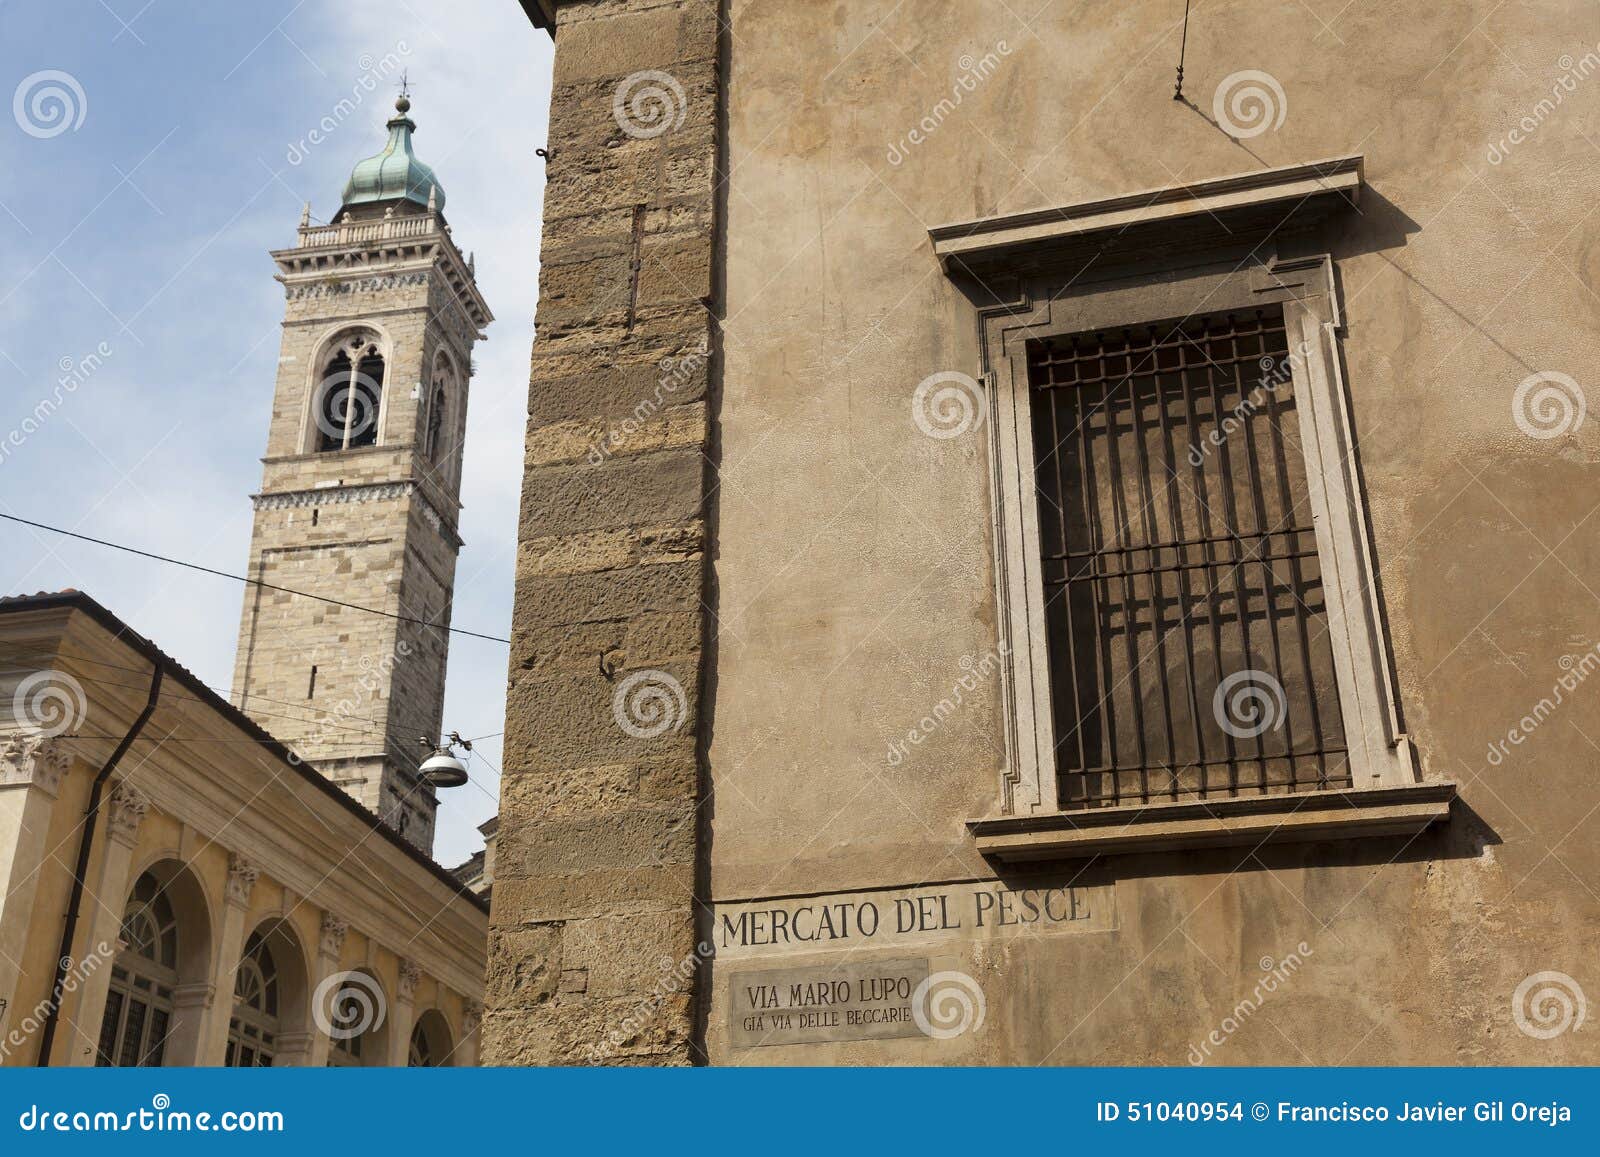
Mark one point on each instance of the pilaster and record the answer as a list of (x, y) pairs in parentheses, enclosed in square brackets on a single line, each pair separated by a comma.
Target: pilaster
[(32, 768), (330, 948), (106, 892), (242, 874), (403, 1014), (598, 848)]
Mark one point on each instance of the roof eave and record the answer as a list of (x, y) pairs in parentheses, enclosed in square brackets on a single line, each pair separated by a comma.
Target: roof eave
[(542, 13), (108, 619)]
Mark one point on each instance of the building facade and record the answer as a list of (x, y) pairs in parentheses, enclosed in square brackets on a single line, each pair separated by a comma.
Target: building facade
[(361, 486), (193, 881), (237, 908), (1019, 568)]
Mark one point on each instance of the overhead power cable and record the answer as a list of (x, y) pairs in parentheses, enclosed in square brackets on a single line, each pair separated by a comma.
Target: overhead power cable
[(253, 582)]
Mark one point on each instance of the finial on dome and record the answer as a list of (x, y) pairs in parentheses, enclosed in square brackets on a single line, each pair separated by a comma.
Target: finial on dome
[(395, 174)]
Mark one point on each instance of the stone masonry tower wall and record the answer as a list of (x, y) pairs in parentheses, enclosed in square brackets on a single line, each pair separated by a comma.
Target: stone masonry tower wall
[(372, 525), (593, 938)]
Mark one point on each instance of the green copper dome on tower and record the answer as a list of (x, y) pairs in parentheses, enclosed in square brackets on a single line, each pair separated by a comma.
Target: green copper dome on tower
[(394, 173)]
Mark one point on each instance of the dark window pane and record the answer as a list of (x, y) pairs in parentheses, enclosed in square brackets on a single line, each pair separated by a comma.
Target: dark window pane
[(160, 1026), (106, 1051), (133, 1033), (331, 404), (365, 395)]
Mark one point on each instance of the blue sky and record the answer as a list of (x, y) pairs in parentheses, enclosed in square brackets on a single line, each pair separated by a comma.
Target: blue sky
[(137, 228)]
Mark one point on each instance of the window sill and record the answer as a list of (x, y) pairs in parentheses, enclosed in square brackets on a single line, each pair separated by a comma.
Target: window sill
[(1314, 815)]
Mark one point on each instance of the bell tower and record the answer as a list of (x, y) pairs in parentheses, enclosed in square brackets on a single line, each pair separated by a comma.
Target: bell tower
[(360, 492)]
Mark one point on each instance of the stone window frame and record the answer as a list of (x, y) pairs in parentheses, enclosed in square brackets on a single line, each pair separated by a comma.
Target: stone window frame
[(1217, 246), (322, 351)]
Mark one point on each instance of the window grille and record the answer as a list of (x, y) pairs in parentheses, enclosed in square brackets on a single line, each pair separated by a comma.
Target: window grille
[(1187, 627)]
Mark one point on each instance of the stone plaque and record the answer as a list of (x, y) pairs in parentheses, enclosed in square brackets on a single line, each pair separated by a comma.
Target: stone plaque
[(858, 1000), (909, 918)]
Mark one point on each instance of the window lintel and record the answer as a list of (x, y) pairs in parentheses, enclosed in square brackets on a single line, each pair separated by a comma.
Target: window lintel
[(1234, 207)]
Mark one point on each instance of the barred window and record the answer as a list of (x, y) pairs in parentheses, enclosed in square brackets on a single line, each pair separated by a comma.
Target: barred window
[(1189, 656)]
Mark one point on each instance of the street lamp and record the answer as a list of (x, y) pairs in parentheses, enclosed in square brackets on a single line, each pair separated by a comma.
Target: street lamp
[(443, 768)]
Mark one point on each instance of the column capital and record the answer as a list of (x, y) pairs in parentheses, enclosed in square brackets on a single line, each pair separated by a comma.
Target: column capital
[(40, 761), (471, 1016), (242, 875), (126, 812), (410, 975), (333, 933)]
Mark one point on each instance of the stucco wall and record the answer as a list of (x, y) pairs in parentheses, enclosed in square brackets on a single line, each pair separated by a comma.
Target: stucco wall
[(854, 554)]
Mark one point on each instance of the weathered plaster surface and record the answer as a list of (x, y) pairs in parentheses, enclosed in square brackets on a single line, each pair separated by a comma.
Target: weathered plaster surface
[(853, 553)]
